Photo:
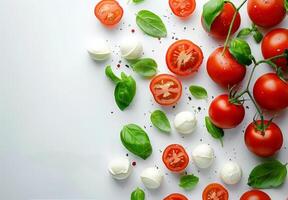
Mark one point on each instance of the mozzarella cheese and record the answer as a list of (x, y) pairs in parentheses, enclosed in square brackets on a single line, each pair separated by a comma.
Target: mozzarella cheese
[(99, 50), (203, 156), (185, 122), (231, 173), (152, 177), (120, 168), (131, 49)]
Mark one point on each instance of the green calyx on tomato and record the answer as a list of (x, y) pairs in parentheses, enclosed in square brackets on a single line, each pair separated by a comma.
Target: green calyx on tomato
[(211, 10)]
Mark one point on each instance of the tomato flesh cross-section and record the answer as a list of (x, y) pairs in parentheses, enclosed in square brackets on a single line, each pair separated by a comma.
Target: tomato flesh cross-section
[(215, 191), (109, 12), (175, 158), (182, 8)]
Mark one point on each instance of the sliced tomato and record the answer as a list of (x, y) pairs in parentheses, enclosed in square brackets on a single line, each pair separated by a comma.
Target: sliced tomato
[(215, 191), (166, 89), (175, 196), (175, 158), (182, 8), (109, 12), (184, 57)]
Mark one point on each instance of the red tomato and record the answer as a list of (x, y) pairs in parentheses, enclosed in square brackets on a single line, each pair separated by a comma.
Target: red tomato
[(265, 143), (166, 89), (175, 196), (182, 8), (273, 44), (220, 26), (109, 12), (255, 195), (270, 92), (224, 69), (215, 191), (184, 57), (266, 13), (225, 114), (175, 158)]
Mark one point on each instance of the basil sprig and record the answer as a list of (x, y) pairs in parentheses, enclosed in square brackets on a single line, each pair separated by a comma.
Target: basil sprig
[(151, 24), (188, 182), (198, 92), (241, 51), (136, 140), (125, 89), (146, 67), (137, 194), (214, 131), (257, 35), (160, 121), (211, 10), (270, 174)]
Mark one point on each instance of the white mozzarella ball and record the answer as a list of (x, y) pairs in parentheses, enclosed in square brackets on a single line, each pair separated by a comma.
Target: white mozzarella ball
[(231, 173), (185, 122), (203, 156), (131, 49), (152, 177), (120, 168), (99, 50)]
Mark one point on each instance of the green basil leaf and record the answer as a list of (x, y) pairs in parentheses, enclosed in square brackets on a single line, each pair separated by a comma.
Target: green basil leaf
[(214, 131), (160, 121), (146, 67), (241, 51), (270, 174), (151, 24), (244, 32), (137, 194), (188, 182), (136, 140), (198, 92), (137, 1), (257, 36), (211, 10), (286, 5), (109, 73)]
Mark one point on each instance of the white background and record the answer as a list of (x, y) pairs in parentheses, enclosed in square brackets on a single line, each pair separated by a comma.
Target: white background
[(57, 130)]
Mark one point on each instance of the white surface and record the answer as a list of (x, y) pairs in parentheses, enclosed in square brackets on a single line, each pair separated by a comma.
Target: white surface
[(57, 130)]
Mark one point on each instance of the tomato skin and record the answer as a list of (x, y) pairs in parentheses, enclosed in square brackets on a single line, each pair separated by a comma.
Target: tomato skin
[(175, 196), (108, 12), (224, 69), (263, 144), (182, 8), (225, 114), (220, 26), (175, 151), (255, 195), (216, 189), (270, 92), (266, 13), (184, 49), (274, 43)]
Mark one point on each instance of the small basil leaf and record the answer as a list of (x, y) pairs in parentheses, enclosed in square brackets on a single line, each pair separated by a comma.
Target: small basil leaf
[(241, 51), (211, 10), (137, 194), (136, 140), (244, 32), (146, 67), (109, 73), (214, 131), (160, 121), (151, 24), (198, 92), (137, 1), (257, 36), (286, 5), (270, 174), (188, 182)]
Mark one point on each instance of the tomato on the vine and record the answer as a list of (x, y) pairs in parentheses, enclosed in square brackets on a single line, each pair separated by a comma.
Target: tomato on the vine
[(255, 195), (265, 142), (184, 57), (182, 8), (175, 196), (266, 13), (225, 114), (270, 92), (215, 191), (175, 158), (109, 12), (224, 69)]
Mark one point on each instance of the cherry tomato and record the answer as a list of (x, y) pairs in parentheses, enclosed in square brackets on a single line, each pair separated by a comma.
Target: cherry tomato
[(184, 57), (263, 143), (224, 69), (266, 13), (109, 12), (215, 191), (166, 89), (175, 196), (182, 8), (273, 44), (225, 114), (175, 158), (220, 26), (270, 92), (255, 195)]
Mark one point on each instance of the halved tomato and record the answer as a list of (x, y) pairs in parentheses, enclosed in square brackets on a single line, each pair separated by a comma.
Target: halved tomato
[(182, 8), (175, 196), (215, 191), (175, 158), (109, 12), (166, 89), (184, 57)]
